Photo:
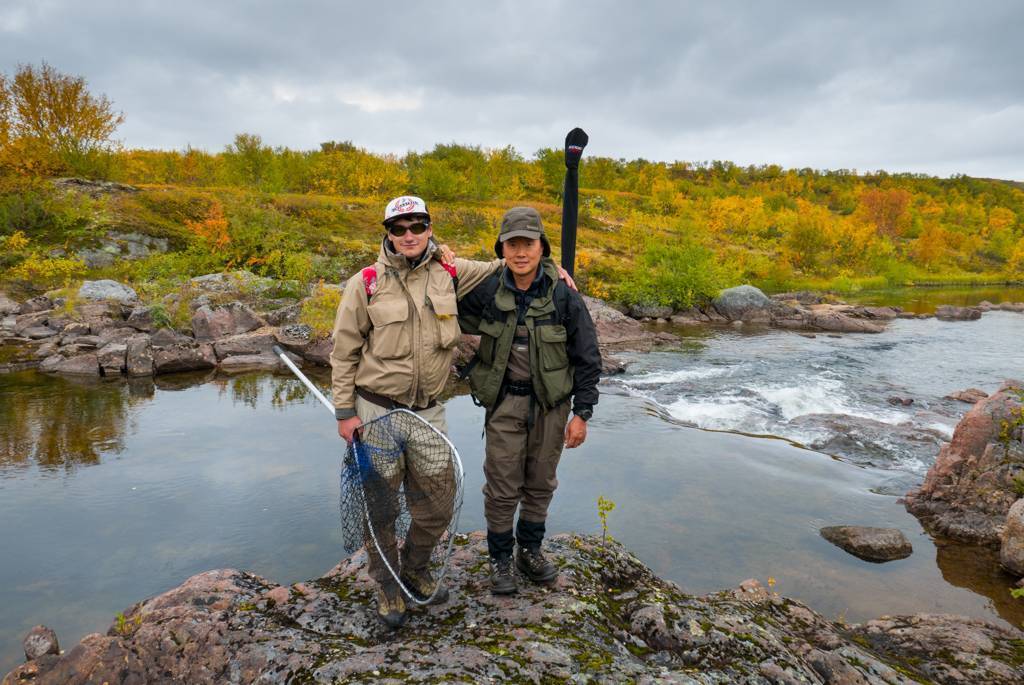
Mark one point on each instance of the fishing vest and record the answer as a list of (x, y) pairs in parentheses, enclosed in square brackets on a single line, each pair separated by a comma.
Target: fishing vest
[(550, 371)]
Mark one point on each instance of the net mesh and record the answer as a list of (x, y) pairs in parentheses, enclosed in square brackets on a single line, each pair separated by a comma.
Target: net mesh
[(401, 495)]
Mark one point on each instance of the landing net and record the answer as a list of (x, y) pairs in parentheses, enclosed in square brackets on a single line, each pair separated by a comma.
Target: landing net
[(401, 487)]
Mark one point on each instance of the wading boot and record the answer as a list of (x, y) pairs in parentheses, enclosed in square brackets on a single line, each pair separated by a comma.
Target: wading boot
[(390, 606), (421, 586), (533, 564), (503, 578)]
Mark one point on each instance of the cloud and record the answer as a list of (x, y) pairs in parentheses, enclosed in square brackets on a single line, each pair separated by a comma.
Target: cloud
[(933, 87)]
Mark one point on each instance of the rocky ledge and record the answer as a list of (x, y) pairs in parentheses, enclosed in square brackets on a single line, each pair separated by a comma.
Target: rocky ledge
[(973, 492), (608, 619), (109, 332), (804, 311)]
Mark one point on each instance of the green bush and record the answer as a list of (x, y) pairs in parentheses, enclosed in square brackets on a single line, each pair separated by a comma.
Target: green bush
[(678, 275)]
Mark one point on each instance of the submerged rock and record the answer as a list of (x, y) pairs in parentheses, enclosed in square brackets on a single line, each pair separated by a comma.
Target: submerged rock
[(970, 395), (870, 544), (948, 312), (607, 619)]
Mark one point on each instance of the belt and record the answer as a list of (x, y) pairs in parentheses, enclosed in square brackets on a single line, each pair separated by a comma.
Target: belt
[(388, 403), (519, 388)]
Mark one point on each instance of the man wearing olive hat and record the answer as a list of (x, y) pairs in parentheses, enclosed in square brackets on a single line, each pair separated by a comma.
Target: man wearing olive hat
[(538, 351)]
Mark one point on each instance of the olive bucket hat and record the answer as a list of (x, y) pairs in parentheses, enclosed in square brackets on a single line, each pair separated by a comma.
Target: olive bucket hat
[(522, 222)]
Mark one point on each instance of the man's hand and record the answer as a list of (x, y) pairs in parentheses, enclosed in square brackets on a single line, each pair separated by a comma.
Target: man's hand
[(564, 275), (575, 432), (447, 256), (347, 427)]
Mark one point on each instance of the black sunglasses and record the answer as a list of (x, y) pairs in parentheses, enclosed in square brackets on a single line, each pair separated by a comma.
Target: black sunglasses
[(417, 229)]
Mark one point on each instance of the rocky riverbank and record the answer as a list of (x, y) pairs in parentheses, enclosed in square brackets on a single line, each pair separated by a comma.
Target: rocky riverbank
[(108, 332), (973, 492), (806, 311), (607, 619)]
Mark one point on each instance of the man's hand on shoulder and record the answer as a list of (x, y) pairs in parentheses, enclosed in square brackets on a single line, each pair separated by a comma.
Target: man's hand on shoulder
[(564, 275), (447, 254), (347, 427)]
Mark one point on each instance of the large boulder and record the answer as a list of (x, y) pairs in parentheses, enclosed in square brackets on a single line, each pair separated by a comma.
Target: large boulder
[(107, 289), (256, 342), (970, 395), (40, 303), (8, 306), (82, 365), (968, 491), (870, 544), (243, 363), (234, 282), (40, 641), (616, 330), (743, 303), (183, 357), (212, 322), (839, 322), (607, 619), (139, 356), (650, 311), (112, 358), (1011, 549), (948, 312)]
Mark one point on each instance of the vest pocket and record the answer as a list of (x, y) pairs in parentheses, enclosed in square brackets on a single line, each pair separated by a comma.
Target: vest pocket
[(552, 347), (490, 331), (388, 337), (446, 314)]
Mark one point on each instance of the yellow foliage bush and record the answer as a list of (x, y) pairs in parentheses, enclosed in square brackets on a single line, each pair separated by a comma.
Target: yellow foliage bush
[(46, 270), (319, 308)]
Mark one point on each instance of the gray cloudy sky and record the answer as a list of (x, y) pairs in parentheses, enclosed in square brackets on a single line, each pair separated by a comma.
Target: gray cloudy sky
[(933, 87)]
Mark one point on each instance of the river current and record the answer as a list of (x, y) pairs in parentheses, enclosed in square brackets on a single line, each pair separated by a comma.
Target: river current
[(876, 400), (724, 458)]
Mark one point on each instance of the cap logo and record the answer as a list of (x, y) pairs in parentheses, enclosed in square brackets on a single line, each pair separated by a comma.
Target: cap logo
[(404, 204)]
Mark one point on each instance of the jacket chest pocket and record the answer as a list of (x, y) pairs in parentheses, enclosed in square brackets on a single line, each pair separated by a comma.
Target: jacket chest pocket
[(551, 343), (446, 313), (388, 337), (490, 331)]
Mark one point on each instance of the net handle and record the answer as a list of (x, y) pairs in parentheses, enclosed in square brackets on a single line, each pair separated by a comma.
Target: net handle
[(302, 377)]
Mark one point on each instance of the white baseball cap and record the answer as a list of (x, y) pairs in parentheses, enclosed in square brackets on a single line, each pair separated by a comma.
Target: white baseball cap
[(405, 205)]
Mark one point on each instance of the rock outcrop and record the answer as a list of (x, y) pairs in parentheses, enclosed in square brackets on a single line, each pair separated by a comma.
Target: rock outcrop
[(608, 619), (967, 493)]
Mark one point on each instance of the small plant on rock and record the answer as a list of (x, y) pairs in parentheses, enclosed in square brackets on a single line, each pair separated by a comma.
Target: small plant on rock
[(604, 507)]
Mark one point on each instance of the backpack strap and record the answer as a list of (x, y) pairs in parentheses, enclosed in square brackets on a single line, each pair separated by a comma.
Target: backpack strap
[(370, 275)]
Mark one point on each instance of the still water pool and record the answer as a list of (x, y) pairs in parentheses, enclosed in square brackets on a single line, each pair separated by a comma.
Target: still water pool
[(112, 491)]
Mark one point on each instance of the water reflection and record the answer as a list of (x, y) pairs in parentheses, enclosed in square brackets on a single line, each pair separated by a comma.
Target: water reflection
[(978, 570), (63, 422)]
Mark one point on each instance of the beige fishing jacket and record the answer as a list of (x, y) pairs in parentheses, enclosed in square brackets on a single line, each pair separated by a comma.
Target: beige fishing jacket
[(399, 340)]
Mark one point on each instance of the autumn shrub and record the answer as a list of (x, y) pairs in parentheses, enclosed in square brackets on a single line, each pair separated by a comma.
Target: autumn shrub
[(319, 308), (677, 274), (46, 271)]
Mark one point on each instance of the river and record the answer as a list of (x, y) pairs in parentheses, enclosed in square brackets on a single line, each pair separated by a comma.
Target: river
[(724, 459)]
